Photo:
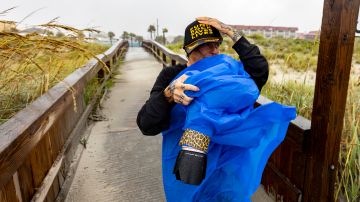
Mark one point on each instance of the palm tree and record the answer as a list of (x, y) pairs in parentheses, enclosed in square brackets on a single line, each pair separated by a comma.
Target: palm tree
[(132, 35), (164, 30), (139, 39), (151, 29), (125, 35), (111, 36)]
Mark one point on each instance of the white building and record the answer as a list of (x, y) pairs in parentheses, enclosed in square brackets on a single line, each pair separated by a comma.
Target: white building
[(268, 31)]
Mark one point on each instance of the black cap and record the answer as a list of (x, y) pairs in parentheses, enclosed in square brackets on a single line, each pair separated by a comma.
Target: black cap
[(197, 34)]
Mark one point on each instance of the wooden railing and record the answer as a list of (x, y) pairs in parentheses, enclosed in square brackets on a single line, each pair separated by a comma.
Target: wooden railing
[(38, 143), (163, 54), (284, 175)]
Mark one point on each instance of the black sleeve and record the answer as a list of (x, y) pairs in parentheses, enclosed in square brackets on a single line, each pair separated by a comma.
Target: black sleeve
[(154, 116), (254, 63)]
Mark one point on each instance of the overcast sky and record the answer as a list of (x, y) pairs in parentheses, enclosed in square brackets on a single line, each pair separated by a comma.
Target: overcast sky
[(136, 15)]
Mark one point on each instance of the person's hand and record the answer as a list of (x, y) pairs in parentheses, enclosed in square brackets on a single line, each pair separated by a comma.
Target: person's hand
[(223, 28), (175, 91)]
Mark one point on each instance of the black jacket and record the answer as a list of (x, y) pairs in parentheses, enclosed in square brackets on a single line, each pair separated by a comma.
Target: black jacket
[(154, 116)]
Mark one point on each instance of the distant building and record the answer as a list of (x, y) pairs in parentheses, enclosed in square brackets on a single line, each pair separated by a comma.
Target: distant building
[(98, 35), (312, 35), (309, 36), (268, 31), (7, 26)]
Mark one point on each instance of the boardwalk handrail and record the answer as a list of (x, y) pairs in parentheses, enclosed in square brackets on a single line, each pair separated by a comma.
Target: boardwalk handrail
[(285, 172), (31, 141), (156, 48)]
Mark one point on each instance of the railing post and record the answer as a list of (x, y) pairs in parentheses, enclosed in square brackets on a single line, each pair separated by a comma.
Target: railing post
[(113, 60), (157, 53), (164, 59), (101, 73), (332, 79)]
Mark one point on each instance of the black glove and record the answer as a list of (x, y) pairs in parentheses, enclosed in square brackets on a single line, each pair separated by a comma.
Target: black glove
[(190, 165)]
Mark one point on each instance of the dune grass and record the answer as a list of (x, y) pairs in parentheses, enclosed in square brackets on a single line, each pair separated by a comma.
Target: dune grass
[(30, 65)]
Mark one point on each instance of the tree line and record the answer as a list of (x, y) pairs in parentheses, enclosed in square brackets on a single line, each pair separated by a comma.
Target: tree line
[(160, 39), (126, 36), (151, 29)]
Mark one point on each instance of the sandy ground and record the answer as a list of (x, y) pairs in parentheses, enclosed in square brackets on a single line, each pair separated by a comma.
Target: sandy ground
[(277, 74), (119, 163)]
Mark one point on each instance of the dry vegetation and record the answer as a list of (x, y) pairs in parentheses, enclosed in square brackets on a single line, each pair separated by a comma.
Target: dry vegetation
[(33, 63)]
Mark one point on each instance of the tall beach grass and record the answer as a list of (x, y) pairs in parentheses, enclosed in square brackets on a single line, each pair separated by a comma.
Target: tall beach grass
[(31, 64)]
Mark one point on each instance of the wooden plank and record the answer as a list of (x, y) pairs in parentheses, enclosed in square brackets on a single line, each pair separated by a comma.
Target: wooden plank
[(40, 161), (279, 185), (57, 137), (72, 114), (17, 187), (11, 192), (27, 187), (34, 121), (332, 79), (290, 157), (56, 186), (61, 175), (2, 195), (47, 183), (50, 184), (69, 151), (289, 161), (8, 192), (70, 143)]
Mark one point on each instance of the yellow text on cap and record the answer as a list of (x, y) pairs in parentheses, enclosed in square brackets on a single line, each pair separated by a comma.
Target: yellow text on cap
[(199, 30)]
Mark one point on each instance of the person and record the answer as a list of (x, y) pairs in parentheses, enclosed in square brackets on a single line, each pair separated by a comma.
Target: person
[(154, 116), (215, 144)]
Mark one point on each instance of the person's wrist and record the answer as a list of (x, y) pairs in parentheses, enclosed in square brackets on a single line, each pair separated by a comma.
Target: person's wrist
[(231, 32), (235, 36)]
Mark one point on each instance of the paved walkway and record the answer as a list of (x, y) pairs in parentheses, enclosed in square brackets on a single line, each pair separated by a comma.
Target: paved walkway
[(119, 163)]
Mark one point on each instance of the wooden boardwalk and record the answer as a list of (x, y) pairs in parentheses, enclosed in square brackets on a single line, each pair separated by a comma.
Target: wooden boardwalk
[(120, 164)]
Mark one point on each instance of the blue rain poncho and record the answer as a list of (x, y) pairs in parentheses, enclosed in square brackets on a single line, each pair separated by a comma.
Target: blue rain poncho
[(241, 138)]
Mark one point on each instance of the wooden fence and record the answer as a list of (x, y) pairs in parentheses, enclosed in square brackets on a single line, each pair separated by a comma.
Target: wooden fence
[(285, 172), (38, 143)]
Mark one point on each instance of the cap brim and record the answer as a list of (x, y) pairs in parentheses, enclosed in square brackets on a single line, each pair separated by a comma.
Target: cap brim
[(189, 48)]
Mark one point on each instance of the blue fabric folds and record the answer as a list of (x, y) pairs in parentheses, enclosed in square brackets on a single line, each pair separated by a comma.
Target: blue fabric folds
[(242, 138)]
